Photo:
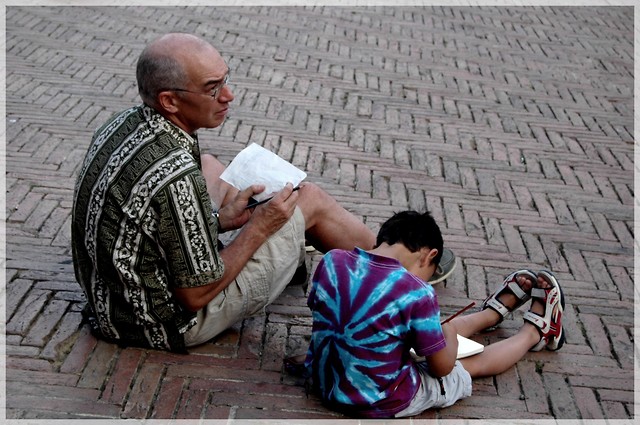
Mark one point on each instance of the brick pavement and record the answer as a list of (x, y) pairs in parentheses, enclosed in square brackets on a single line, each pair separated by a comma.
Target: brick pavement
[(513, 125)]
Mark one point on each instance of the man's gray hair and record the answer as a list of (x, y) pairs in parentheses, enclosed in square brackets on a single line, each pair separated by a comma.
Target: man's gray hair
[(156, 72)]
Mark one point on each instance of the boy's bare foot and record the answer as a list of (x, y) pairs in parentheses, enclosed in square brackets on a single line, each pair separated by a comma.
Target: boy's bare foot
[(514, 292), (508, 299), (546, 312)]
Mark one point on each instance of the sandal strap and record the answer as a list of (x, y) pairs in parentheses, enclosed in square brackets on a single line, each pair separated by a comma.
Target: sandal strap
[(535, 319), (540, 324), (496, 305), (539, 293), (517, 290), (510, 284)]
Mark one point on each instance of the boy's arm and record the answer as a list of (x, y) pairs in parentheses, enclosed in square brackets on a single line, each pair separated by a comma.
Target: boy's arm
[(441, 363)]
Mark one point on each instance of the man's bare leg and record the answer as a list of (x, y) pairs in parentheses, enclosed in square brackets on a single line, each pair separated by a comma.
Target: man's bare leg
[(328, 224), (220, 191)]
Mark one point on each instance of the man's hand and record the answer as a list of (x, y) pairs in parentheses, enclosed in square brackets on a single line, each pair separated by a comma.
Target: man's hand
[(234, 214), (269, 217)]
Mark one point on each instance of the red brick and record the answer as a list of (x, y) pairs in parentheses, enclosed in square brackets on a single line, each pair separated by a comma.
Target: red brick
[(615, 410), (96, 371), (508, 384), (562, 403), (192, 404), (587, 403), (616, 395), (80, 352), (16, 290), (27, 312), (47, 321), (63, 337), (220, 412), (124, 372), (286, 415), (89, 408), (251, 338), (15, 363), (535, 396), (146, 384), (46, 378), (274, 347), (168, 398), (33, 389), (241, 387), (522, 163), (596, 336)]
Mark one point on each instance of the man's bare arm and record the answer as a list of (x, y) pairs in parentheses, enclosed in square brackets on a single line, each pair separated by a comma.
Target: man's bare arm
[(264, 222)]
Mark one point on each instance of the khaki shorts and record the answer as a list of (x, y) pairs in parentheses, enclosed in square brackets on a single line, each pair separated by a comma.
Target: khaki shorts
[(259, 283), (455, 386)]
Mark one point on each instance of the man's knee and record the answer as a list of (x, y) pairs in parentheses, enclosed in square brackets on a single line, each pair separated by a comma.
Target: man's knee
[(313, 199), (313, 192), (211, 165)]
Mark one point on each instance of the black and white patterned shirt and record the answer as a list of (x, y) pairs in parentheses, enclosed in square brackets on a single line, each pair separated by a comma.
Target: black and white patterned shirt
[(142, 225)]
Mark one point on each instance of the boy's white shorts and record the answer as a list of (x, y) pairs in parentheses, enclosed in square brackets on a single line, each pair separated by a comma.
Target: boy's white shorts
[(456, 386)]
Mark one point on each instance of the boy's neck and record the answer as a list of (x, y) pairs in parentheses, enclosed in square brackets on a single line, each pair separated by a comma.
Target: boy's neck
[(409, 260), (397, 251)]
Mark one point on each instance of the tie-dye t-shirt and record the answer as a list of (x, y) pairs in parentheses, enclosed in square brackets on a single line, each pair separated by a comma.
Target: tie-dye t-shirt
[(368, 311)]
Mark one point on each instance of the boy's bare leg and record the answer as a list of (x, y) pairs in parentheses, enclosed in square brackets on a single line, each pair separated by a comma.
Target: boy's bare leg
[(501, 356)]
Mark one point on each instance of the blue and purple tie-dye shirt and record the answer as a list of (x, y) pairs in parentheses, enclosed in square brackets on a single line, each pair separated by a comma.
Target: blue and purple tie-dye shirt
[(368, 311)]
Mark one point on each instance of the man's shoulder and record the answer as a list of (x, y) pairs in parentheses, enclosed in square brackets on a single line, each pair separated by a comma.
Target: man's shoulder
[(117, 120)]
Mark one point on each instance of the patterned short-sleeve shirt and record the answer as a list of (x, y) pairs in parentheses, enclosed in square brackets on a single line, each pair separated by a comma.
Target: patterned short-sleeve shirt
[(368, 312), (142, 225)]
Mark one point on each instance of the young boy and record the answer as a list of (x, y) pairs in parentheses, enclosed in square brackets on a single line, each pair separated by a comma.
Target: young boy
[(371, 307)]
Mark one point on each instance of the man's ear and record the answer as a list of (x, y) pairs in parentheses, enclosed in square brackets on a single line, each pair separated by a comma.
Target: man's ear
[(167, 101), (427, 256)]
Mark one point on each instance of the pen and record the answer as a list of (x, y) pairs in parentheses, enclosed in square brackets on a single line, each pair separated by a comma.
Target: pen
[(459, 312), (256, 203)]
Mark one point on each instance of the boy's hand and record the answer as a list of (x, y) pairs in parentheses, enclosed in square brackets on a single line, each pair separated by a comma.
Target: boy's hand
[(442, 362)]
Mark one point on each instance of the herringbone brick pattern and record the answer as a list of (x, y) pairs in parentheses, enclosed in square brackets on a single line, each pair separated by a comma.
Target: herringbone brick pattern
[(513, 125)]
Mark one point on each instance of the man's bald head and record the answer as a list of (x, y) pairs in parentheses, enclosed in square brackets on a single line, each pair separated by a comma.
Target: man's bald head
[(161, 64)]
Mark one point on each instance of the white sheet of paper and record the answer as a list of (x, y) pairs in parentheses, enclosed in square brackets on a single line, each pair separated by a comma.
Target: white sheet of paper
[(257, 165), (466, 347)]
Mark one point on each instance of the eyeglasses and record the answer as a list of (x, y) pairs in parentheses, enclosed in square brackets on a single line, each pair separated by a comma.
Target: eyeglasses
[(214, 92)]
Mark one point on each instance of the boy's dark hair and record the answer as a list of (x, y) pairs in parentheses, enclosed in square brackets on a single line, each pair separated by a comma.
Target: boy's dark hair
[(414, 230)]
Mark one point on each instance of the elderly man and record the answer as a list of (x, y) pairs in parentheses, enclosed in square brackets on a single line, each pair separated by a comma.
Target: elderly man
[(149, 208)]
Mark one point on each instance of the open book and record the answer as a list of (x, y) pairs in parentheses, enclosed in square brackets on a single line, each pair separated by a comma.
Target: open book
[(466, 347)]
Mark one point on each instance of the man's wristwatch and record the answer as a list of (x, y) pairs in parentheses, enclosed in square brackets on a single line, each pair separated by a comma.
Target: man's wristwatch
[(216, 217)]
